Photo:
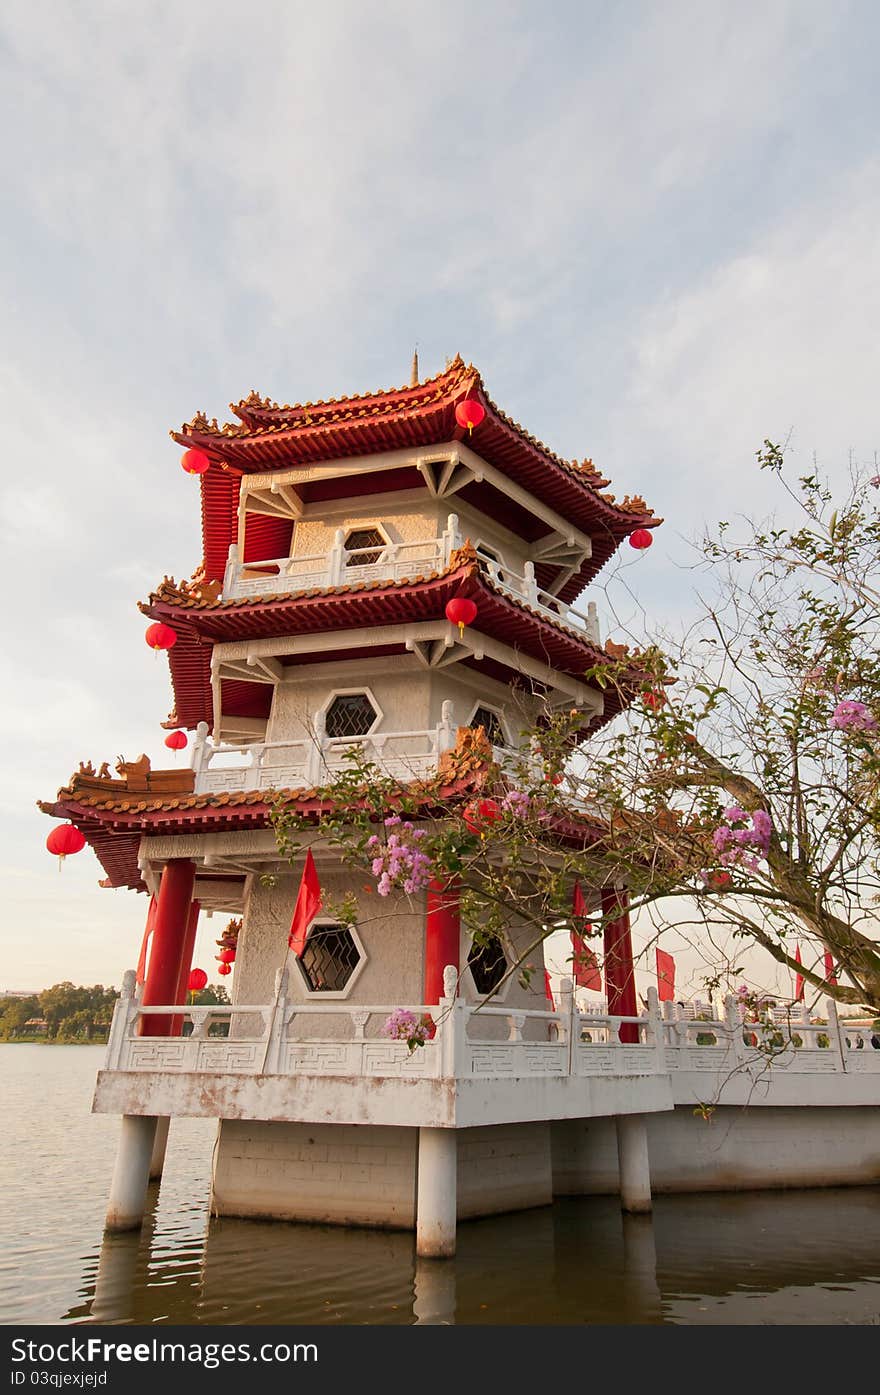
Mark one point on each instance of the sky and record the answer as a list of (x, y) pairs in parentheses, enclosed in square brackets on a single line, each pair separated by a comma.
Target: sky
[(651, 226)]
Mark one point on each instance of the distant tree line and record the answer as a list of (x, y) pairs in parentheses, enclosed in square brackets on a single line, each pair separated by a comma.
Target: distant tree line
[(67, 1012)]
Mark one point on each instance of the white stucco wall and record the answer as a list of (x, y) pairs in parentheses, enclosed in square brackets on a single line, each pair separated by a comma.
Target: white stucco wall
[(740, 1150), (366, 1175), (345, 1174)]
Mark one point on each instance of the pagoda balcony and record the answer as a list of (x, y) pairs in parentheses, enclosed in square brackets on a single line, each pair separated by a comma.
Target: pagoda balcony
[(329, 1061), (317, 759), (395, 563)]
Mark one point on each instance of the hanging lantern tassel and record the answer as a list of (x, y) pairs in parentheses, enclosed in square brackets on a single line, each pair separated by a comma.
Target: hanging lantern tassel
[(460, 611), (65, 840), (469, 414)]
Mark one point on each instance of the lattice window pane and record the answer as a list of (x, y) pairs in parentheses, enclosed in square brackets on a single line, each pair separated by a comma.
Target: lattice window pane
[(487, 719), (329, 958), (350, 714), (359, 539), (488, 964)]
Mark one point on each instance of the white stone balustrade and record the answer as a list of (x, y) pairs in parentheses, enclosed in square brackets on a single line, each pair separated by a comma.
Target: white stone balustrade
[(279, 1038), (308, 763), (397, 562)]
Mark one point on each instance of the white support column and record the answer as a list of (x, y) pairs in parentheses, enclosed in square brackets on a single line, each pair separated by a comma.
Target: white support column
[(635, 1168), (128, 1190), (437, 1198), (160, 1145)]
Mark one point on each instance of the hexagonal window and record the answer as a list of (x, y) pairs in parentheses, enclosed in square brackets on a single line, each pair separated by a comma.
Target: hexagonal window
[(329, 959), (490, 722), (488, 964), (364, 547), (350, 714)]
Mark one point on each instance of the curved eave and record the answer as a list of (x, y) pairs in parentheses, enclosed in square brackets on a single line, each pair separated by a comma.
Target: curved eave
[(200, 626), (114, 829), (282, 438)]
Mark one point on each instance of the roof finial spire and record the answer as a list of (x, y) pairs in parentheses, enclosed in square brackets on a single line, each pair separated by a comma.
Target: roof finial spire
[(414, 371)]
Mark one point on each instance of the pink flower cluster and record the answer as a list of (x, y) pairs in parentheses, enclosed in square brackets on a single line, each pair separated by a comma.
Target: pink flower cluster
[(516, 802), (850, 715), (399, 861), (742, 839), (404, 1025)]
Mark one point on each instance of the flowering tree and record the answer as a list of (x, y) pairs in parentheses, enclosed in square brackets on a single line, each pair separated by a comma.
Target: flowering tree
[(739, 789)]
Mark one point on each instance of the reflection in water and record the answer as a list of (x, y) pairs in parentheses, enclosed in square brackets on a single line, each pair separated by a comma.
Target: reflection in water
[(434, 1292), (804, 1255)]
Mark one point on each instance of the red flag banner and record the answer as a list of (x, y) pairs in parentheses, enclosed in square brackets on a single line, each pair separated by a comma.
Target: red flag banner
[(665, 976), (141, 973), (798, 979), (308, 905), (584, 962), (830, 976), (548, 991)]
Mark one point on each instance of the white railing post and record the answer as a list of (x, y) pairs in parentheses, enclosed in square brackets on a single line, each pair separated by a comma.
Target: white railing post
[(654, 1033), (199, 755), (565, 1029), (230, 575), (123, 1012), (336, 558), (734, 1027), (451, 538), (446, 731), (272, 1058), (593, 623), (835, 1036), (315, 771), (451, 1024), (530, 584)]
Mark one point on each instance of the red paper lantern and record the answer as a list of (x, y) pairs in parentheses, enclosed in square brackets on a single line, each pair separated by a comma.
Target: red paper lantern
[(477, 816), (197, 980), (460, 611), (226, 956), (718, 881), (640, 539), (654, 699), (469, 413), (176, 740), (195, 462), (160, 636), (224, 969), (64, 840)]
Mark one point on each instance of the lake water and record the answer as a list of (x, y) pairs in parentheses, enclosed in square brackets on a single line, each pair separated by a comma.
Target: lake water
[(802, 1257)]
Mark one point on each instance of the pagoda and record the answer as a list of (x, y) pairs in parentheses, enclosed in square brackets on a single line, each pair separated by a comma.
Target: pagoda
[(335, 535)]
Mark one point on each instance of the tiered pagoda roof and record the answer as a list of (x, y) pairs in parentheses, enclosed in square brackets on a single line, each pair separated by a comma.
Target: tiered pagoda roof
[(114, 814), (269, 437), (201, 619)]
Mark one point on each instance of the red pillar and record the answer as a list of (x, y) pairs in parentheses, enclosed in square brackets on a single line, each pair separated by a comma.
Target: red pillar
[(442, 935), (186, 964), (169, 937), (620, 980)]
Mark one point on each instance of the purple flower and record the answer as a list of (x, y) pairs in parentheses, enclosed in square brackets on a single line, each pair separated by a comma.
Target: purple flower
[(850, 715)]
